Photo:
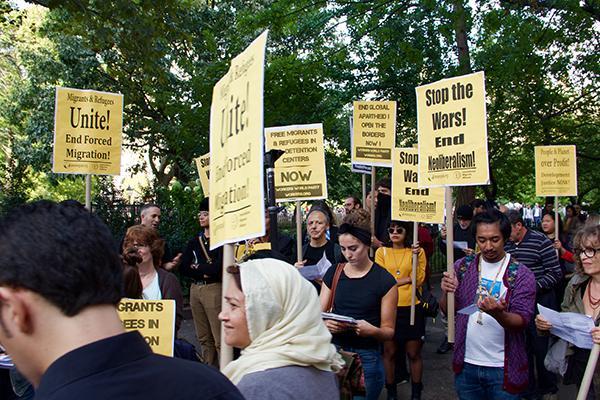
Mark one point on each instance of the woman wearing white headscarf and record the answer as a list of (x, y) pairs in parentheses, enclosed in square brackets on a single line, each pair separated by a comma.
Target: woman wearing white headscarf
[(274, 315)]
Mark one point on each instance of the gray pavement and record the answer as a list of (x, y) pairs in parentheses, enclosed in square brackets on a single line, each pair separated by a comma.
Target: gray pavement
[(438, 378)]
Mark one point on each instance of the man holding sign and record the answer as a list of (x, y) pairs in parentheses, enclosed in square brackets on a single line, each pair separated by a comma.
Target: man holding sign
[(452, 130), (60, 281)]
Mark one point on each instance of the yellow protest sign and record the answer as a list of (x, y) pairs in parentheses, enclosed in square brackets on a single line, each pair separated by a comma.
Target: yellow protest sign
[(300, 172), (237, 210), (555, 171), (154, 319), (452, 130), (374, 133), (88, 128), (409, 202), (203, 165)]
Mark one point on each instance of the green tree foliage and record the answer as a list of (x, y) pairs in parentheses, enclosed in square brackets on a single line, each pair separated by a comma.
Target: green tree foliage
[(541, 64), (542, 82), (540, 59)]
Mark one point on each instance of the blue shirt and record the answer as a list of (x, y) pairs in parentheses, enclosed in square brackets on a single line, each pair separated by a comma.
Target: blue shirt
[(124, 367)]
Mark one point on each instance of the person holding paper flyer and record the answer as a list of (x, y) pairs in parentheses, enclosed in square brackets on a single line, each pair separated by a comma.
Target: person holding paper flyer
[(494, 297), (396, 257), (366, 292), (536, 251), (317, 223), (462, 233), (582, 295)]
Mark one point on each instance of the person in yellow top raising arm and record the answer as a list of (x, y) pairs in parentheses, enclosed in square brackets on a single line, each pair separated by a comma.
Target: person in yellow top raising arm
[(396, 257)]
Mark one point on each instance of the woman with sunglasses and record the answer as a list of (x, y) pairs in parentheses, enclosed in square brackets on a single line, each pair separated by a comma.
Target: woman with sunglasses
[(396, 256), (582, 295), (366, 292)]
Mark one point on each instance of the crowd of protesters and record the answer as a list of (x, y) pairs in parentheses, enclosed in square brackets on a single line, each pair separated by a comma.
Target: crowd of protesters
[(61, 277)]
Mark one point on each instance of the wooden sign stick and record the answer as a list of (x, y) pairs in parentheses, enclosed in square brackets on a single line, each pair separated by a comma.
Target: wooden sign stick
[(413, 275), (450, 261), (298, 231)]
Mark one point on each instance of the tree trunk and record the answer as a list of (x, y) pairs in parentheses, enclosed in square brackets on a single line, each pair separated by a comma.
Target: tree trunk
[(464, 194)]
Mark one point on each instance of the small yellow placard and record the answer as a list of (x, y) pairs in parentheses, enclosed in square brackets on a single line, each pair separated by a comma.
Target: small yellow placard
[(88, 128), (374, 133), (409, 202), (300, 172), (555, 171), (203, 165), (154, 319), (452, 130), (237, 208)]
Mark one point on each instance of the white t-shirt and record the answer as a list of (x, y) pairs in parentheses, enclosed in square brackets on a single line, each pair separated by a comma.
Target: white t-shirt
[(152, 291), (485, 342)]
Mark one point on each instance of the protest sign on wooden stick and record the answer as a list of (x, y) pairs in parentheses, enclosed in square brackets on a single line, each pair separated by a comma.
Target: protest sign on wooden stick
[(452, 132), (237, 208), (450, 262), (409, 203), (588, 375)]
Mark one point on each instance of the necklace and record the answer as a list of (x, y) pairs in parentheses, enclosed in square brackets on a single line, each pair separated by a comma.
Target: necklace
[(482, 290), (594, 302), (398, 265)]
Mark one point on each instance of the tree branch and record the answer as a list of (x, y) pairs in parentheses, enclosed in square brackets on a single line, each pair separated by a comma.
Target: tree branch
[(591, 7)]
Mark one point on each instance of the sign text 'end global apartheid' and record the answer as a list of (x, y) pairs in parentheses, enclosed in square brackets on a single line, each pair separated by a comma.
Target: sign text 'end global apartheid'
[(374, 132)]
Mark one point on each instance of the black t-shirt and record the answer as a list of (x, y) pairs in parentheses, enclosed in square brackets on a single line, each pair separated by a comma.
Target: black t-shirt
[(313, 255), (360, 298)]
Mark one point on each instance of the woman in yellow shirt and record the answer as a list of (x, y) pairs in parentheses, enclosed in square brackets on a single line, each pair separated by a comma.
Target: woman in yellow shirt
[(396, 257)]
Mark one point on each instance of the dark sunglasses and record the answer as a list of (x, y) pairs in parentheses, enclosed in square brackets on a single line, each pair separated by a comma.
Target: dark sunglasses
[(396, 229)]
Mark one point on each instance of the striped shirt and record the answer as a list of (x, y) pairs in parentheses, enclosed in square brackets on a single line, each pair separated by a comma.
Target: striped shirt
[(538, 254)]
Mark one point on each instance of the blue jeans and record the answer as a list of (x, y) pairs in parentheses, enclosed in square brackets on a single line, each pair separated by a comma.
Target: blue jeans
[(372, 363), (481, 383)]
